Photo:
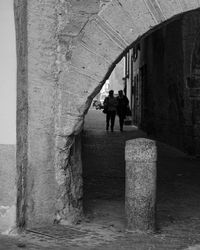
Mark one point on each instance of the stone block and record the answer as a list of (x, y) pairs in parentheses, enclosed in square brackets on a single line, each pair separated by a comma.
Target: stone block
[(140, 14), (77, 83), (69, 124), (189, 5), (170, 8), (115, 15), (155, 10), (100, 41), (140, 194), (85, 7), (74, 26), (141, 149), (92, 64), (103, 3), (71, 104), (41, 187)]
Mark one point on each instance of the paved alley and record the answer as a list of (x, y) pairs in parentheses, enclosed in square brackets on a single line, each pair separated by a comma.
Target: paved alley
[(178, 196), (103, 226)]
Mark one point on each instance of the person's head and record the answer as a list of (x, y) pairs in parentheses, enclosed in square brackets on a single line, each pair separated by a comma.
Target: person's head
[(120, 92), (111, 92)]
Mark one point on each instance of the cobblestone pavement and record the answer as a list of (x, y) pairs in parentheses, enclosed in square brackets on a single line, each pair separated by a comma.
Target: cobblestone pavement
[(103, 227), (102, 237)]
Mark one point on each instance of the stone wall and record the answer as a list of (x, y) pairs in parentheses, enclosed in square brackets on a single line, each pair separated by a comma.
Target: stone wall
[(191, 45), (51, 105), (163, 88), (41, 189), (65, 51), (7, 187), (171, 114)]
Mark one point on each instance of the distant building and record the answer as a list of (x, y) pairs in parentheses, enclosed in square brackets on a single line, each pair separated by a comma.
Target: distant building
[(114, 82)]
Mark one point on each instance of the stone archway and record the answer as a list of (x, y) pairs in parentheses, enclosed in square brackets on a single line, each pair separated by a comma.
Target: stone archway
[(65, 49)]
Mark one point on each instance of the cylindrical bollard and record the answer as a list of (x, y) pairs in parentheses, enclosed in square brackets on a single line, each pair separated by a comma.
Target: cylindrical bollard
[(140, 200)]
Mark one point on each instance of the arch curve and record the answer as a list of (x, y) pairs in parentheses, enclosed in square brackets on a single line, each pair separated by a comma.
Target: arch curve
[(106, 36), (102, 42), (78, 45)]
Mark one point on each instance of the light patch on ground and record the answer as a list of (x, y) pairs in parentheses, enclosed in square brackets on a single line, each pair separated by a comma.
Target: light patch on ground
[(7, 218)]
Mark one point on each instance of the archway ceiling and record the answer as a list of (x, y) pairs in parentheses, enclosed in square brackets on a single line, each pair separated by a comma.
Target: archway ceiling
[(116, 26), (101, 41)]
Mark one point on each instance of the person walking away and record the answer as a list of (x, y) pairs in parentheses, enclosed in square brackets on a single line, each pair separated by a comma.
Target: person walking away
[(110, 107), (122, 105)]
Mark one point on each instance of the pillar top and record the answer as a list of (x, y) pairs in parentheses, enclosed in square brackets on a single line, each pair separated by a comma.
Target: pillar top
[(141, 150)]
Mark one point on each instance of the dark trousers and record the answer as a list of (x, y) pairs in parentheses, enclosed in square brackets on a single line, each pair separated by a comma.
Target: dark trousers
[(110, 116), (121, 122)]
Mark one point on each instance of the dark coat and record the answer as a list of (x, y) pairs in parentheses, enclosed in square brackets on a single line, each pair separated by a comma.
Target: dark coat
[(110, 104), (122, 104)]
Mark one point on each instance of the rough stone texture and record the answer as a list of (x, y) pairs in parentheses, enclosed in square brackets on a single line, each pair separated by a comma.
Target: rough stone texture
[(20, 11), (7, 187), (41, 184), (142, 18), (52, 173), (98, 40), (76, 83), (140, 194), (155, 9), (115, 15), (141, 150), (55, 59), (169, 8)]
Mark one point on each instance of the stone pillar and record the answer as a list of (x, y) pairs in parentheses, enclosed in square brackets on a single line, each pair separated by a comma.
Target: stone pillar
[(140, 194)]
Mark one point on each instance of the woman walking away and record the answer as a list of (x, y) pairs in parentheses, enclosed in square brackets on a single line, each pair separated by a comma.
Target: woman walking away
[(110, 108), (122, 104)]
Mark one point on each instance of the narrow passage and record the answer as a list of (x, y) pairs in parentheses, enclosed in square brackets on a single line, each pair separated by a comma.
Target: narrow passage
[(178, 186), (104, 167)]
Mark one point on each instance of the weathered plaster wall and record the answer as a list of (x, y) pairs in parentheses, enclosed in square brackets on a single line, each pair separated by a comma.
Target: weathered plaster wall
[(50, 115), (65, 49), (41, 183), (75, 90), (7, 187)]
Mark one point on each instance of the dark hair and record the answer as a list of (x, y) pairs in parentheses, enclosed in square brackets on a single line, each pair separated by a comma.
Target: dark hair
[(111, 92)]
